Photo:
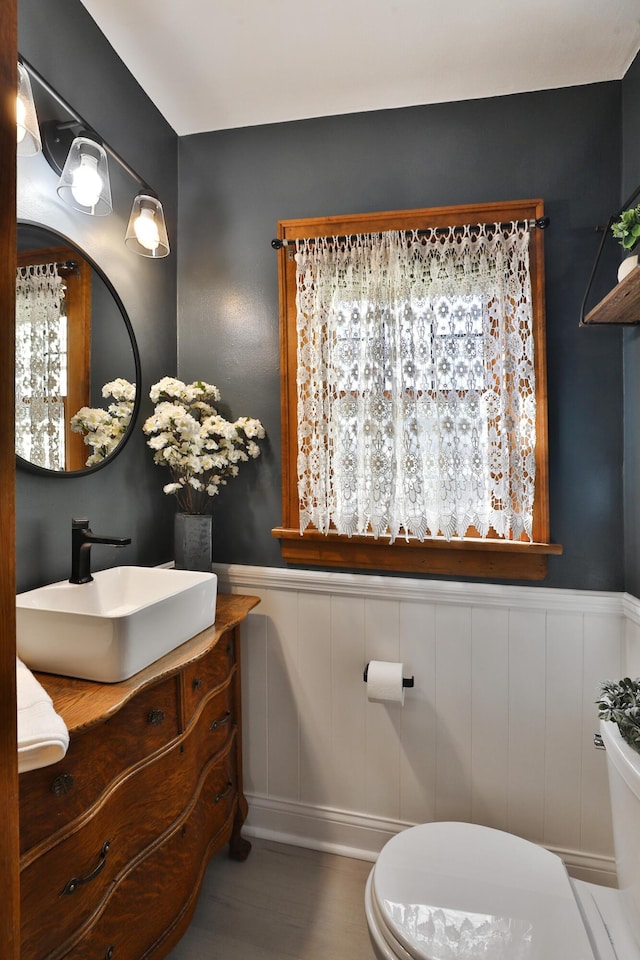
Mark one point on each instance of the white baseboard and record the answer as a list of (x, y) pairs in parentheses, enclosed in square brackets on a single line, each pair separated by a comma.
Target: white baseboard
[(319, 828), (362, 837), (590, 867)]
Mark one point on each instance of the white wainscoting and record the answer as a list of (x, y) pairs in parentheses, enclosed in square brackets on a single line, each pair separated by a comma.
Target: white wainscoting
[(497, 730)]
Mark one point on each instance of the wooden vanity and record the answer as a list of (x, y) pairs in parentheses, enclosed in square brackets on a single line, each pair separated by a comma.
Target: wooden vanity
[(115, 838)]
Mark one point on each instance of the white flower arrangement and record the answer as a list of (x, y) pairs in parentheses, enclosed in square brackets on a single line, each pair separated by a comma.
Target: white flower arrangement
[(199, 448), (104, 429)]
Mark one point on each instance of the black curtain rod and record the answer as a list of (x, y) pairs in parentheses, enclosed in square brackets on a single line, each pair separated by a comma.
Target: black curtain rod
[(69, 266), (541, 222), (63, 266)]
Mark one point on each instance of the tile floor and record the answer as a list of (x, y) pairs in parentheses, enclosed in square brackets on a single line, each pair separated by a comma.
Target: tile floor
[(283, 903)]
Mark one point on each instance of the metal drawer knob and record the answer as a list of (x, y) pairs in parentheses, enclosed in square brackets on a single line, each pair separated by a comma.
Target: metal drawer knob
[(62, 785)]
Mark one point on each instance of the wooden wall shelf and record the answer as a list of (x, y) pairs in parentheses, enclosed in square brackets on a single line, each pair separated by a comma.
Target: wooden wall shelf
[(620, 306)]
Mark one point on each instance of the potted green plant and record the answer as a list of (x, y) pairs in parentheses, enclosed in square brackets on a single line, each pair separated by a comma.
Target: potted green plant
[(626, 230), (619, 702)]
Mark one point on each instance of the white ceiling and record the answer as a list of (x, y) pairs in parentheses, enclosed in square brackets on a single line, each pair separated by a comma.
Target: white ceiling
[(217, 64)]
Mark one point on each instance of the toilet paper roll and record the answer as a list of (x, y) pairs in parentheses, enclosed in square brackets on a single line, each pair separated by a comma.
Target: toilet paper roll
[(384, 681)]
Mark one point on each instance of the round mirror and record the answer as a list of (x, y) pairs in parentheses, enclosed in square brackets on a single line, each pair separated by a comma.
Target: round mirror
[(77, 360)]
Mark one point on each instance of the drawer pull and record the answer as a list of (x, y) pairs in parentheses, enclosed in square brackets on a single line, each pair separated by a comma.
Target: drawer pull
[(221, 722), (197, 683), (62, 785), (109, 953), (224, 793), (76, 882), (156, 717)]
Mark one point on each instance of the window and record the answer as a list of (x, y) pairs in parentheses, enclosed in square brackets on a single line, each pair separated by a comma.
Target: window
[(414, 392)]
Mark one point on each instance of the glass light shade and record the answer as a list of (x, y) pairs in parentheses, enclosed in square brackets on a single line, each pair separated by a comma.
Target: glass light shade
[(84, 183), (147, 231), (28, 131)]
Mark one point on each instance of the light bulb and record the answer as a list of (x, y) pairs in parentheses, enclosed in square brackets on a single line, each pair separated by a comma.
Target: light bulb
[(146, 229), (21, 116), (86, 184)]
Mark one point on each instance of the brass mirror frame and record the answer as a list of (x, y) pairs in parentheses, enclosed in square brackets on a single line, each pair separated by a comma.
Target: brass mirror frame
[(86, 471)]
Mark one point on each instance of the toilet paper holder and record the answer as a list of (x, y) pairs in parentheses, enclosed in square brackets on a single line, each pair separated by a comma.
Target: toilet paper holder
[(406, 681)]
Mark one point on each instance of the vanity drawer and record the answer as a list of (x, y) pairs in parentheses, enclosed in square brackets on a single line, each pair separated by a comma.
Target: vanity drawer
[(214, 727), (200, 678), (52, 797), (68, 882), (165, 884)]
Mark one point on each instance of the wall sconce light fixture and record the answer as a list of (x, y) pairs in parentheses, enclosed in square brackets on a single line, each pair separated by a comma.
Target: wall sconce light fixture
[(80, 157), (147, 232), (84, 181), (81, 160), (28, 131)]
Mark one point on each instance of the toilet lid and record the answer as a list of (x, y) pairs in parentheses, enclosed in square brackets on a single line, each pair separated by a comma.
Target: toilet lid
[(459, 891)]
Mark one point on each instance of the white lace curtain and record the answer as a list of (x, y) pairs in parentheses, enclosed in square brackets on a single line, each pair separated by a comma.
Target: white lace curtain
[(40, 365), (416, 385)]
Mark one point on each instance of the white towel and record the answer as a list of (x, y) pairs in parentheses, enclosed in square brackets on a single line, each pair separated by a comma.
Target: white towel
[(42, 734)]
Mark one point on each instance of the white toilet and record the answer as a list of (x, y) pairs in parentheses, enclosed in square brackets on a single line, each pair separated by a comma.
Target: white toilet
[(459, 891)]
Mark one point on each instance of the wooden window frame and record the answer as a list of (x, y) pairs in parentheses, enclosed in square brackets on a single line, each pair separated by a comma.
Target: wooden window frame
[(488, 557), (78, 306)]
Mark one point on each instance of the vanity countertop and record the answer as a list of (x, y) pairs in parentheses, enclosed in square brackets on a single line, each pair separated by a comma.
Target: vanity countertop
[(83, 703)]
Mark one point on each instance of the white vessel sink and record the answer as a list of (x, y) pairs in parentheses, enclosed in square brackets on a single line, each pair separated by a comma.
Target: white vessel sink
[(122, 621)]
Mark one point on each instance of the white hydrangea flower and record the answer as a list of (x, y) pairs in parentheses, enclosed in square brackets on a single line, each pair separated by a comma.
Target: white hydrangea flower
[(200, 448), (104, 429), (159, 441), (120, 389), (168, 386), (251, 428), (187, 426), (172, 488)]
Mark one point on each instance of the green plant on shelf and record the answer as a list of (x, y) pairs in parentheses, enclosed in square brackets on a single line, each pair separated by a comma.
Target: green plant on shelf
[(626, 229)]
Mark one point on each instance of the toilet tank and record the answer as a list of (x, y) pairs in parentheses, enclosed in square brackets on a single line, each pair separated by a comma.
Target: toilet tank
[(623, 765)]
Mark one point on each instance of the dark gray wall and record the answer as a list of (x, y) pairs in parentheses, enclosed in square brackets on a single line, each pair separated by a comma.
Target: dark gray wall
[(125, 498), (111, 349), (630, 183), (561, 145)]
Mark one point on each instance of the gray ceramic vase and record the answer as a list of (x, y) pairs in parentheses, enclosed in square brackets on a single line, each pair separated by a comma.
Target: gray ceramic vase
[(192, 541)]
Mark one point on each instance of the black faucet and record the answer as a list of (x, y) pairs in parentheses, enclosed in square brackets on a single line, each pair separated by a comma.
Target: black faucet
[(81, 541)]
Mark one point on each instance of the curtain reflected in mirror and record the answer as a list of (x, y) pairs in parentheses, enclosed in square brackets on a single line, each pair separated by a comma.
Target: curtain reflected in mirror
[(77, 361), (53, 329)]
